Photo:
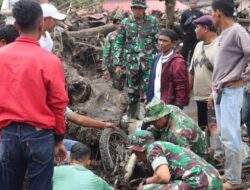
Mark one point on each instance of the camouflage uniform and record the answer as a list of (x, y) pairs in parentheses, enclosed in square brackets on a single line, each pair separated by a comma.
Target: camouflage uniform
[(137, 38), (188, 171), (180, 129), (107, 60)]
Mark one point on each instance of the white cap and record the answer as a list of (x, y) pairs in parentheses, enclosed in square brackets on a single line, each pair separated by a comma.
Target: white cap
[(51, 11)]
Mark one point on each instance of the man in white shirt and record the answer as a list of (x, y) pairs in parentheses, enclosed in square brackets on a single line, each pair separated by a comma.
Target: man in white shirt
[(51, 16)]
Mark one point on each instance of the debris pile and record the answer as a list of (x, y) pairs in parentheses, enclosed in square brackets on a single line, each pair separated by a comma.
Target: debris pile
[(78, 42)]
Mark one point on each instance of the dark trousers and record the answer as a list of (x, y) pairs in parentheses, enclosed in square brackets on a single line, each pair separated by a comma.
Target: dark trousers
[(246, 110), (189, 43), (202, 113), (23, 148)]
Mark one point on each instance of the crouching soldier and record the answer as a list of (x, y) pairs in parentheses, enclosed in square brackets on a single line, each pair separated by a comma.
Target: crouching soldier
[(174, 167), (172, 125)]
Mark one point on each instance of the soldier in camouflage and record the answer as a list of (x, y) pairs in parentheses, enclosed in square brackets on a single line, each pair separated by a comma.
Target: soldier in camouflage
[(107, 57), (175, 167), (137, 38), (173, 125)]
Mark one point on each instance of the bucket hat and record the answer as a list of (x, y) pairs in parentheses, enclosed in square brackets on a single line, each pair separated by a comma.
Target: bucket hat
[(156, 109)]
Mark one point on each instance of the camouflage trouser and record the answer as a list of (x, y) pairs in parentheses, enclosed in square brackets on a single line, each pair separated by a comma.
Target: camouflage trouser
[(179, 185), (138, 75), (117, 82), (173, 185), (207, 178)]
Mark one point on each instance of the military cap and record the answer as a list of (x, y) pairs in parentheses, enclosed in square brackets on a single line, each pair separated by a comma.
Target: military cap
[(118, 16), (139, 3), (140, 139), (156, 109)]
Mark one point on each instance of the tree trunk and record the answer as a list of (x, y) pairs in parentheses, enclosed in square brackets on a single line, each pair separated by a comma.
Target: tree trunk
[(169, 10), (105, 29)]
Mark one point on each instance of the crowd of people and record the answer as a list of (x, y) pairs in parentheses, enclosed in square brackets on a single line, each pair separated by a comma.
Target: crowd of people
[(142, 60), (216, 52)]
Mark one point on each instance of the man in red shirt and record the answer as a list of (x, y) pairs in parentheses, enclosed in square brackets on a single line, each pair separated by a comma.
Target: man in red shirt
[(32, 105)]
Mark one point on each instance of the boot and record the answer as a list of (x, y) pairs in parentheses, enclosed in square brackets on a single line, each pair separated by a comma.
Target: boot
[(140, 111), (132, 111)]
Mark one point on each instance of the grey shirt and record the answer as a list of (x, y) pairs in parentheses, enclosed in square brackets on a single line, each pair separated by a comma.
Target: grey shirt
[(232, 59)]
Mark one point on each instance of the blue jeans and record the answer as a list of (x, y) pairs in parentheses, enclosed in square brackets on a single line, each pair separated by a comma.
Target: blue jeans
[(68, 145), (228, 122), (246, 110), (25, 148)]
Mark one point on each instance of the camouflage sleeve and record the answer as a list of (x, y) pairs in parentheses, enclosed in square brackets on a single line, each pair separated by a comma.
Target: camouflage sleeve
[(156, 156), (105, 55), (119, 46), (157, 30), (182, 140)]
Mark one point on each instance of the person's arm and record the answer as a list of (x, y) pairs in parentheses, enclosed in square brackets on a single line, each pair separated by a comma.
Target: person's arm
[(190, 82), (87, 121), (60, 153), (180, 80), (244, 41), (156, 156), (105, 57), (57, 98), (161, 175), (6, 10), (191, 75), (210, 101)]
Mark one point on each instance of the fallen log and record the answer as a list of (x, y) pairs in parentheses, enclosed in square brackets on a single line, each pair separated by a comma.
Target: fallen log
[(90, 45), (105, 29)]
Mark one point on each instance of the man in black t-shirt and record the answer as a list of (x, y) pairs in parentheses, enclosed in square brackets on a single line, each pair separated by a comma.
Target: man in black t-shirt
[(189, 38)]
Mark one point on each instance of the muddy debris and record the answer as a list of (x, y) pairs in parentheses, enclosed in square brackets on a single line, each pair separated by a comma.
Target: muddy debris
[(78, 42)]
